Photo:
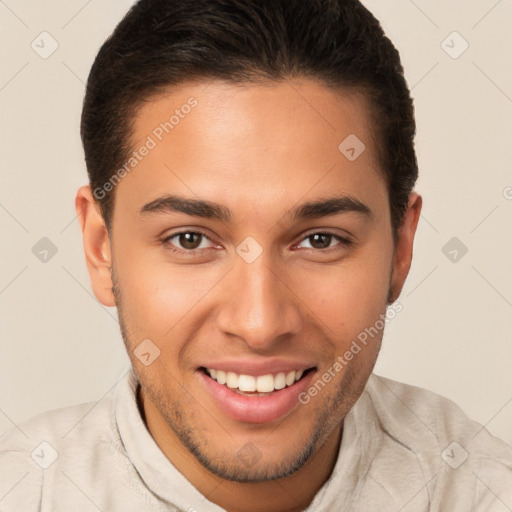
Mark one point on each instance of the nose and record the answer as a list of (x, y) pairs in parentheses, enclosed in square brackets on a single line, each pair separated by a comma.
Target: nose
[(258, 306)]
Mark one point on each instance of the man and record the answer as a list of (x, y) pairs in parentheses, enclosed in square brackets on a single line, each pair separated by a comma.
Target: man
[(251, 214)]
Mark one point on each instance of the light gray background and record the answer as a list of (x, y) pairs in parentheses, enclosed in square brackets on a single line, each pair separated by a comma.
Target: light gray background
[(59, 346)]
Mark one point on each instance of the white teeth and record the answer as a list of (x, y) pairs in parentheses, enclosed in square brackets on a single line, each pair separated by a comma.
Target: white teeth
[(221, 377), (246, 383), (265, 383), (231, 380), (257, 385), (290, 378), (280, 380)]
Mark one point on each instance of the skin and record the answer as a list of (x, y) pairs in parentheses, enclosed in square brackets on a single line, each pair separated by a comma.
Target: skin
[(259, 150)]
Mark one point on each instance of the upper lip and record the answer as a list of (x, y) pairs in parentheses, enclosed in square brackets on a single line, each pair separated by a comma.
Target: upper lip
[(259, 367)]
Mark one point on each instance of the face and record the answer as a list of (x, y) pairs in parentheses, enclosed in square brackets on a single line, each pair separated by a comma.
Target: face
[(252, 252)]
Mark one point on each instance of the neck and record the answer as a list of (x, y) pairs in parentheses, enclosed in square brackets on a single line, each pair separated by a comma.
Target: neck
[(290, 494)]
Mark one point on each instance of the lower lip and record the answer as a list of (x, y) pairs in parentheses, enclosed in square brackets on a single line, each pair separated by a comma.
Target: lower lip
[(255, 409)]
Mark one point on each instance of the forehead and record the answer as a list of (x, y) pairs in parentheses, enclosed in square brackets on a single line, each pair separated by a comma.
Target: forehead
[(240, 142)]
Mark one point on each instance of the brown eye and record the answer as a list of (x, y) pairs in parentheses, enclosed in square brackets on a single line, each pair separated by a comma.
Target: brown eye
[(190, 240), (320, 240)]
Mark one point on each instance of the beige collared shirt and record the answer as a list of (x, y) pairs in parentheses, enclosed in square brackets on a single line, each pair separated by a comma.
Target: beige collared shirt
[(403, 449)]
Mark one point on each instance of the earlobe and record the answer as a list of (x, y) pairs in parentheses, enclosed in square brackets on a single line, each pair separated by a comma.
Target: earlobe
[(96, 245), (404, 246)]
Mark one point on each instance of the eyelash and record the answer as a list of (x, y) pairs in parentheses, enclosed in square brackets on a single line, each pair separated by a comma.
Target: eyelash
[(344, 242)]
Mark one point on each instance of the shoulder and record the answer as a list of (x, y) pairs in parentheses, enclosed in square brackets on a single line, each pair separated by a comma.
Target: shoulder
[(463, 464), (405, 407), (32, 452), (409, 410), (58, 425)]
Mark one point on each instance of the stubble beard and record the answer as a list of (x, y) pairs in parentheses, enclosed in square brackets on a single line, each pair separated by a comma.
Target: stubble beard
[(330, 417)]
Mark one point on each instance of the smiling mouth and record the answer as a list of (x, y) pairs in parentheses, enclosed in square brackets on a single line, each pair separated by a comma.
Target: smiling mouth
[(261, 385)]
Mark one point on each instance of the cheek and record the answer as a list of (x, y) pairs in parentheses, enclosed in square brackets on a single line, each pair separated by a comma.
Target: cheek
[(158, 298), (349, 297)]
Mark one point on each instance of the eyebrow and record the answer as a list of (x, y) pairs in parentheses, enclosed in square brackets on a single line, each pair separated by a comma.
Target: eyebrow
[(209, 210), (329, 206)]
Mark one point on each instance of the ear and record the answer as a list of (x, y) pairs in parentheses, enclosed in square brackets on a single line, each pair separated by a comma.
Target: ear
[(403, 249), (96, 245)]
